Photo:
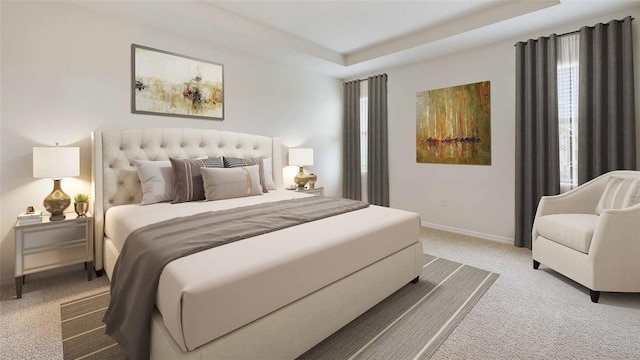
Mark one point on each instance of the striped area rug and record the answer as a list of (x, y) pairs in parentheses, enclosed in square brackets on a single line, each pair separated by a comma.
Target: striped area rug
[(409, 324)]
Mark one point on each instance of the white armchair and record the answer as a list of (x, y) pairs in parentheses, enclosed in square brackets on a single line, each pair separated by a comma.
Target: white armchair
[(599, 251)]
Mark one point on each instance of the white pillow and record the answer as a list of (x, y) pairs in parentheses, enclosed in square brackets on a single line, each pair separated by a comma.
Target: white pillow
[(155, 178), (228, 183), (268, 174), (633, 195), (614, 194)]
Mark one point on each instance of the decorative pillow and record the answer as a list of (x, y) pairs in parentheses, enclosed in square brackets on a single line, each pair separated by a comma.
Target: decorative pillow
[(230, 162), (633, 195), (268, 174), (155, 179), (187, 180), (231, 183), (215, 162), (259, 162), (238, 162), (614, 194)]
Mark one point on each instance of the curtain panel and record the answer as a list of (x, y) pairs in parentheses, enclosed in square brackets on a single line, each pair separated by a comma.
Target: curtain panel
[(378, 148), (351, 182), (607, 123), (537, 144)]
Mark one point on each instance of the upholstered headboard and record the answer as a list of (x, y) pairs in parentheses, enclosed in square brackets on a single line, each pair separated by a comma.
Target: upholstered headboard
[(115, 180)]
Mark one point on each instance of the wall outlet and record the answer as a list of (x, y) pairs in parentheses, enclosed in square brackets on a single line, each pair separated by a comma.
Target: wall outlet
[(443, 202)]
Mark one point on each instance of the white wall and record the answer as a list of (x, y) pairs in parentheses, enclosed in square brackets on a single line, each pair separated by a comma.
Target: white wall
[(479, 199), (66, 72)]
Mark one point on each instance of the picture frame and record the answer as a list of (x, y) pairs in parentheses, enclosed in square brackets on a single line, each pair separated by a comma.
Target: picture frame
[(453, 125), (168, 84)]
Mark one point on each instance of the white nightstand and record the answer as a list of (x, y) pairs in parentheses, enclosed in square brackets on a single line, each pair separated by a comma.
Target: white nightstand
[(52, 244), (314, 191)]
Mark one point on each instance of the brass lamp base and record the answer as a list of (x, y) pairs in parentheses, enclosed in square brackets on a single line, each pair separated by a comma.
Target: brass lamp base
[(301, 179), (57, 202)]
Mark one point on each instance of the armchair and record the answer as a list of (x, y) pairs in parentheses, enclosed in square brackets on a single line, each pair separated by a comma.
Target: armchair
[(591, 234)]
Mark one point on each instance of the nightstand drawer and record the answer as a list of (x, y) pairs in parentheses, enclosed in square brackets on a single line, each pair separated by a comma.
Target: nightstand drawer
[(55, 257), (44, 237)]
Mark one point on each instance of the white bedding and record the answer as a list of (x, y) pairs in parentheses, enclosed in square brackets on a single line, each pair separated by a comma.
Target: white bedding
[(206, 295)]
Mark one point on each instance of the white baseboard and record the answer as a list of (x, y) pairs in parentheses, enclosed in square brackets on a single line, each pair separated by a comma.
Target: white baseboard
[(496, 238)]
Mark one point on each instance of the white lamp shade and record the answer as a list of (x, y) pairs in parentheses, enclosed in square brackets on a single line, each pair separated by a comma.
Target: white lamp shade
[(300, 157), (56, 162)]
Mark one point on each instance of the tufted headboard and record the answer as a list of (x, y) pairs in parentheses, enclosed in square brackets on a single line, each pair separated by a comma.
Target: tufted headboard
[(115, 180)]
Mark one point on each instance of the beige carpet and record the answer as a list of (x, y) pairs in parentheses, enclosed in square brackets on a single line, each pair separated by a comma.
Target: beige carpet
[(423, 314), (526, 314)]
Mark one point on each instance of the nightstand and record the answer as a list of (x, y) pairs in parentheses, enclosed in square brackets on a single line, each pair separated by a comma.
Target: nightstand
[(52, 244), (314, 191)]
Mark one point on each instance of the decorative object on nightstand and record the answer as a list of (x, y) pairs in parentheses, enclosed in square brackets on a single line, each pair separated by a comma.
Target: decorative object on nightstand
[(81, 204), (301, 158), (312, 180), (314, 191), (30, 216), (51, 244), (56, 162)]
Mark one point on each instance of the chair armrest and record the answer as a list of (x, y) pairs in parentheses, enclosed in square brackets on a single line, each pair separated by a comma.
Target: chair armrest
[(617, 227), (581, 200), (615, 246)]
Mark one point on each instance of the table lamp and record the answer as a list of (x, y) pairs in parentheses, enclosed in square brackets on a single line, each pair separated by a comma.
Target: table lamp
[(56, 162), (301, 158)]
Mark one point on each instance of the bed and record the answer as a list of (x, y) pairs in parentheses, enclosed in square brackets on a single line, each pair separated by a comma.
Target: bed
[(227, 302)]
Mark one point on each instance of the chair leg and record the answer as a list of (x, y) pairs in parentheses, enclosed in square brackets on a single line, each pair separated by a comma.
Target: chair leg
[(536, 264), (595, 296)]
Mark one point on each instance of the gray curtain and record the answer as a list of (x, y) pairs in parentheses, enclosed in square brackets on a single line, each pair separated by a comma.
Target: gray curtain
[(537, 144), (351, 182), (606, 115), (378, 148)]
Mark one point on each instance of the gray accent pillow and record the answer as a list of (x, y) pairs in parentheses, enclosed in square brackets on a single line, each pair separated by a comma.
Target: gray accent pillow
[(229, 183), (259, 162), (156, 180), (268, 174), (187, 180)]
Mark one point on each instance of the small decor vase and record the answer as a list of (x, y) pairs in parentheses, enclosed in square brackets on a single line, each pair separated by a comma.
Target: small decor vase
[(312, 178), (81, 208)]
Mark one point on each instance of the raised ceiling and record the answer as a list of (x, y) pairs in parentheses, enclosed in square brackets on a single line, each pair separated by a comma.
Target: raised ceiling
[(344, 39)]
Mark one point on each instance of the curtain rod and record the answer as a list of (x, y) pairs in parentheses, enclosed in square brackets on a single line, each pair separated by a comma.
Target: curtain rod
[(366, 78), (574, 32)]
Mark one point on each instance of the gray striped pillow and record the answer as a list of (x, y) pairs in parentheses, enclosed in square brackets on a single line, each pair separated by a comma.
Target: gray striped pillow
[(187, 180), (230, 162), (215, 162)]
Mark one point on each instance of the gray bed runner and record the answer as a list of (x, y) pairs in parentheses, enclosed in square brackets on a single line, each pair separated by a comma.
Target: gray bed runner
[(148, 250)]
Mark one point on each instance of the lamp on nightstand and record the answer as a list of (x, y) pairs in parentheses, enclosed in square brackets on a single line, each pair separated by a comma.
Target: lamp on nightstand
[(301, 158), (56, 162)]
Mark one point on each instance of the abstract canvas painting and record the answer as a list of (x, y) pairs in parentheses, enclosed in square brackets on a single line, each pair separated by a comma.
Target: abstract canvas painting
[(164, 83), (453, 125)]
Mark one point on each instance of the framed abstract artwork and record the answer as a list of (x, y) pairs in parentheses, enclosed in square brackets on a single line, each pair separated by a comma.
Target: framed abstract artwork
[(164, 83), (453, 125)]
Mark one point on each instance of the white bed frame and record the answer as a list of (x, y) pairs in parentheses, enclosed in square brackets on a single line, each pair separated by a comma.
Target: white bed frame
[(283, 334)]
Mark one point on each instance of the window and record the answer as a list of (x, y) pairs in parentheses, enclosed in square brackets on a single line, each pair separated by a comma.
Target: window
[(364, 136), (364, 124), (568, 58)]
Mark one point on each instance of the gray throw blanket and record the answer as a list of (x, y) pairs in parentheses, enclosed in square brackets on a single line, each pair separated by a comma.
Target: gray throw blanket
[(148, 250)]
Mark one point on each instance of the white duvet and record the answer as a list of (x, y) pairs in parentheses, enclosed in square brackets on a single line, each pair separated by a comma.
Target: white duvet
[(206, 295)]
